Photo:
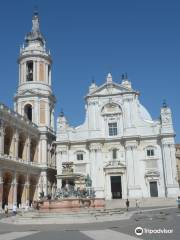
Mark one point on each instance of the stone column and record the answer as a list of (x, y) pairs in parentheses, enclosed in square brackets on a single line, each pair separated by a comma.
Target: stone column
[(16, 143), (130, 166), (15, 188), (92, 166), (108, 193), (43, 149), (28, 149), (24, 72), (44, 182), (2, 133), (38, 65), (1, 189), (27, 189), (21, 74), (36, 153), (10, 196), (169, 168), (133, 189), (46, 73)]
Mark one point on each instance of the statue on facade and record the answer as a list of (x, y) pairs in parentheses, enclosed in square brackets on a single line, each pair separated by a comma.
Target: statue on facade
[(88, 181)]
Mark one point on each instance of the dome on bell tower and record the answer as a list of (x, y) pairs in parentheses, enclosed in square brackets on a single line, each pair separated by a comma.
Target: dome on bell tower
[(35, 36)]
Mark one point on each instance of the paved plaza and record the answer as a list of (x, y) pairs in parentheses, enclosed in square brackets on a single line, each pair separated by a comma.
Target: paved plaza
[(157, 222)]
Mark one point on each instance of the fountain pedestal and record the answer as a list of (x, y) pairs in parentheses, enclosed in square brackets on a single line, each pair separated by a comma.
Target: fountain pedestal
[(71, 204)]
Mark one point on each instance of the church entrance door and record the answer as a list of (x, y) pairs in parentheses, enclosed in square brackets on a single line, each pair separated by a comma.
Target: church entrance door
[(116, 187), (153, 189)]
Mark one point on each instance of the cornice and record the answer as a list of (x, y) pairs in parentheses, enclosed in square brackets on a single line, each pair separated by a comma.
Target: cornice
[(33, 54), (50, 96), (112, 94)]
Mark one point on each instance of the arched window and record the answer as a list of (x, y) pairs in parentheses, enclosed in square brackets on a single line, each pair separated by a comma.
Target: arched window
[(28, 111), (29, 71)]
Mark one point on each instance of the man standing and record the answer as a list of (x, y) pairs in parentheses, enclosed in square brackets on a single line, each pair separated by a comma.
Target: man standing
[(127, 204)]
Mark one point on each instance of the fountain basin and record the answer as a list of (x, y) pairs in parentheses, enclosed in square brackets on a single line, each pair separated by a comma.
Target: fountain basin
[(71, 204)]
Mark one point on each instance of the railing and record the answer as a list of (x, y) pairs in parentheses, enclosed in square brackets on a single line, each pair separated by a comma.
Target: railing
[(18, 160), (17, 115)]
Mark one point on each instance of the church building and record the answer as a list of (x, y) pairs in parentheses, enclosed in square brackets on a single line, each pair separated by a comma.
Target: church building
[(125, 152), (119, 148)]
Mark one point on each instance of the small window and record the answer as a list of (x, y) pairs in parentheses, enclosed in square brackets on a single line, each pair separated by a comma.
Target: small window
[(114, 153), (150, 152), (29, 71), (112, 129), (79, 156)]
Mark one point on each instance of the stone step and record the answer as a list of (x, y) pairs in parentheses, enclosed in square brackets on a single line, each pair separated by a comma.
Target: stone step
[(91, 213)]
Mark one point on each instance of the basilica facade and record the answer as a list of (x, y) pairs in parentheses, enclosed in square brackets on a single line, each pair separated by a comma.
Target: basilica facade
[(119, 148), (125, 152)]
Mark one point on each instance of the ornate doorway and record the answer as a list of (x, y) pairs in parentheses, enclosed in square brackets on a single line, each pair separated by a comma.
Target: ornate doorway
[(153, 189), (116, 187)]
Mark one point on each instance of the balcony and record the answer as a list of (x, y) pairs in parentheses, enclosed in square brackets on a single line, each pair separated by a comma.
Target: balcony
[(4, 158)]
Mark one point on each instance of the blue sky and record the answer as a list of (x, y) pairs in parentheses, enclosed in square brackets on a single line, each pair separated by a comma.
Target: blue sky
[(88, 39)]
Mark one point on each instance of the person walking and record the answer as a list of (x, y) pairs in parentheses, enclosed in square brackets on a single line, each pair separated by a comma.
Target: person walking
[(127, 204), (6, 210), (137, 203)]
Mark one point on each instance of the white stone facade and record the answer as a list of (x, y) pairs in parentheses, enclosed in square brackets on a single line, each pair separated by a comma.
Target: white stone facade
[(27, 152), (125, 152)]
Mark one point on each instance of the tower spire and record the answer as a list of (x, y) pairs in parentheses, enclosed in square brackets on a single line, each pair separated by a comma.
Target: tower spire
[(35, 35)]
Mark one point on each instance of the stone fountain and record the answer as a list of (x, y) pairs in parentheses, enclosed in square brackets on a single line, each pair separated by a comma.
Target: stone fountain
[(76, 193)]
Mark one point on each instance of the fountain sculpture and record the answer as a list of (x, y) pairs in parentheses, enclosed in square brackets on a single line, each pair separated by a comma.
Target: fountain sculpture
[(76, 193)]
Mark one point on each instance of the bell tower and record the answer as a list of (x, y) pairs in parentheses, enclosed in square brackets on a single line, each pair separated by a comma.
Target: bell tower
[(34, 98)]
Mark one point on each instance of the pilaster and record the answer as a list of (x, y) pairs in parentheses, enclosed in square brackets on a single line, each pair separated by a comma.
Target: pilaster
[(1, 188), (133, 187), (2, 133), (28, 149), (16, 143), (15, 188), (27, 189)]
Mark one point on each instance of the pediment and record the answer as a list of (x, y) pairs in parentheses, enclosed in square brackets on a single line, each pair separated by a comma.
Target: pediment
[(114, 164), (152, 173), (108, 89)]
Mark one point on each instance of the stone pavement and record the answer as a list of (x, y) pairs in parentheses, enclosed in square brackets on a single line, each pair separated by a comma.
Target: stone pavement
[(105, 234), (114, 211), (143, 202)]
